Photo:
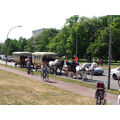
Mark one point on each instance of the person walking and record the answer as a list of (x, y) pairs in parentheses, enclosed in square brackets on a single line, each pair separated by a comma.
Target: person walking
[(98, 61), (28, 66)]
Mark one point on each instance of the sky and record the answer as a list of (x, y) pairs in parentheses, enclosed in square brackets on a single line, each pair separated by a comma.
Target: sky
[(37, 14)]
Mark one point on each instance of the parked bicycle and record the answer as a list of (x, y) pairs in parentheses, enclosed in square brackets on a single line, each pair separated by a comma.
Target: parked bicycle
[(100, 94)]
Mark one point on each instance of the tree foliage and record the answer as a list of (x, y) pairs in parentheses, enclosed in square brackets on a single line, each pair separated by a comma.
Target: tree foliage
[(91, 34)]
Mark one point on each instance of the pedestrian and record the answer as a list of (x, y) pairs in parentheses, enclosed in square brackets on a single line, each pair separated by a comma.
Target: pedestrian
[(98, 61), (28, 66), (101, 62), (119, 98)]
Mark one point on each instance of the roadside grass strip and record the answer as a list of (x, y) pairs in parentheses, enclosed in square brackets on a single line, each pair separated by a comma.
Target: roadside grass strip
[(81, 83)]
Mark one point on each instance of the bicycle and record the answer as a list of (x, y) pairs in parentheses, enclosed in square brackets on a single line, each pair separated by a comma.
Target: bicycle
[(99, 98), (100, 94), (45, 77)]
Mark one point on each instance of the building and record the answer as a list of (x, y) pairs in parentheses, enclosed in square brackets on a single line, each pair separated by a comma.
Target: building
[(36, 32)]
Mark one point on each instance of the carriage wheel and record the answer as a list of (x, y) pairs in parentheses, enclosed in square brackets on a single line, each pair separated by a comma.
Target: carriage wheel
[(15, 64)]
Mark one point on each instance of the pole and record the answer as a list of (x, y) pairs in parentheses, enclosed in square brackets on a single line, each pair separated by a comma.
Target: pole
[(76, 44), (110, 49), (6, 54)]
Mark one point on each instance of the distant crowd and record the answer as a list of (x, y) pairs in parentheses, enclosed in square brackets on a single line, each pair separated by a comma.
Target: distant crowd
[(99, 61)]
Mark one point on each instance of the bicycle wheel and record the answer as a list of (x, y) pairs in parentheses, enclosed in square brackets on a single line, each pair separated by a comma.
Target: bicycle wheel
[(105, 102), (98, 100), (47, 77)]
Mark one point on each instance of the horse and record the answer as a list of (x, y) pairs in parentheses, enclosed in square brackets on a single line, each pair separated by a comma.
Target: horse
[(83, 70), (69, 68), (23, 61), (55, 65)]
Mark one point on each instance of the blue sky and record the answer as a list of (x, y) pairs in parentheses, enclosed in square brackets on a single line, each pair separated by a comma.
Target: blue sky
[(37, 14)]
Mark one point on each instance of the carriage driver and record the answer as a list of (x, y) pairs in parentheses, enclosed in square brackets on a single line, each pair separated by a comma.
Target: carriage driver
[(44, 69)]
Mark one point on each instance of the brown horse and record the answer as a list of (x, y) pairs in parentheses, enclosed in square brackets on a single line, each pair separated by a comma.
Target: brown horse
[(55, 65), (69, 69)]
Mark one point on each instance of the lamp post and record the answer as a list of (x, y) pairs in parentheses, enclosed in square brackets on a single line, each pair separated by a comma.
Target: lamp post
[(6, 54), (109, 57), (76, 45)]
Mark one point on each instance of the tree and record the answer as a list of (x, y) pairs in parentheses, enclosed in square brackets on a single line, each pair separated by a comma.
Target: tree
[(43, 39), (22, 42)]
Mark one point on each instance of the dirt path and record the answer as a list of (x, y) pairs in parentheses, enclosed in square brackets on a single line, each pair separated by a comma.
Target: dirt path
[(84, 91)]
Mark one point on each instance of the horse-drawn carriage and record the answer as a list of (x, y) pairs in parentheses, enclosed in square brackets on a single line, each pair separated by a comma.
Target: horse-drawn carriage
[(39, 57), (20, 58)]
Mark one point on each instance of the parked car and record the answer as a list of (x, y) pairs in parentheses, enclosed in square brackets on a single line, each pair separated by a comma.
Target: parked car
[(2, 57), (97, 70), (10, 59), (115, 73)]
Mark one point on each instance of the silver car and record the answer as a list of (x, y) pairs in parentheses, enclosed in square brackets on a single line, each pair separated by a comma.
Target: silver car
[(97, 70)]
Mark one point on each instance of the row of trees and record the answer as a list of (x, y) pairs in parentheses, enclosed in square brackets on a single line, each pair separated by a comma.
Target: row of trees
[(91, 34)]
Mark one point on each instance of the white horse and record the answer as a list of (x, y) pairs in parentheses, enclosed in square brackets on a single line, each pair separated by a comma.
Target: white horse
[(81, 70), (90, 70), (54, 65), (84, 69)]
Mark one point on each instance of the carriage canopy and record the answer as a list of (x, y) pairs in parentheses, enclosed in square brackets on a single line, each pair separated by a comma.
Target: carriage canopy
[(18, 56), (44, 54), (21, 53), (39, 57)]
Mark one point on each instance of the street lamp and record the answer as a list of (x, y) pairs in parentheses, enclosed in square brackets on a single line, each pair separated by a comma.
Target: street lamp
[(6, 54), (109, 58), (76, 44)]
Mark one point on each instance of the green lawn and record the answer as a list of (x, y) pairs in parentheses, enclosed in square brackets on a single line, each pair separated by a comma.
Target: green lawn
[(19, 90)]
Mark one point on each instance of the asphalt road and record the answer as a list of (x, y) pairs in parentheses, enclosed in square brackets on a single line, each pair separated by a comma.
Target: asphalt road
[(104, 77)]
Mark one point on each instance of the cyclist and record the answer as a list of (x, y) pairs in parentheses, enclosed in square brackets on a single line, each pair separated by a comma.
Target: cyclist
[(100, 94), (100, 88), (44, 69)]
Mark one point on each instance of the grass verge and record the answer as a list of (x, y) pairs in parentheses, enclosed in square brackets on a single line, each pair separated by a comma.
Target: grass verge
[(19, 90)]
